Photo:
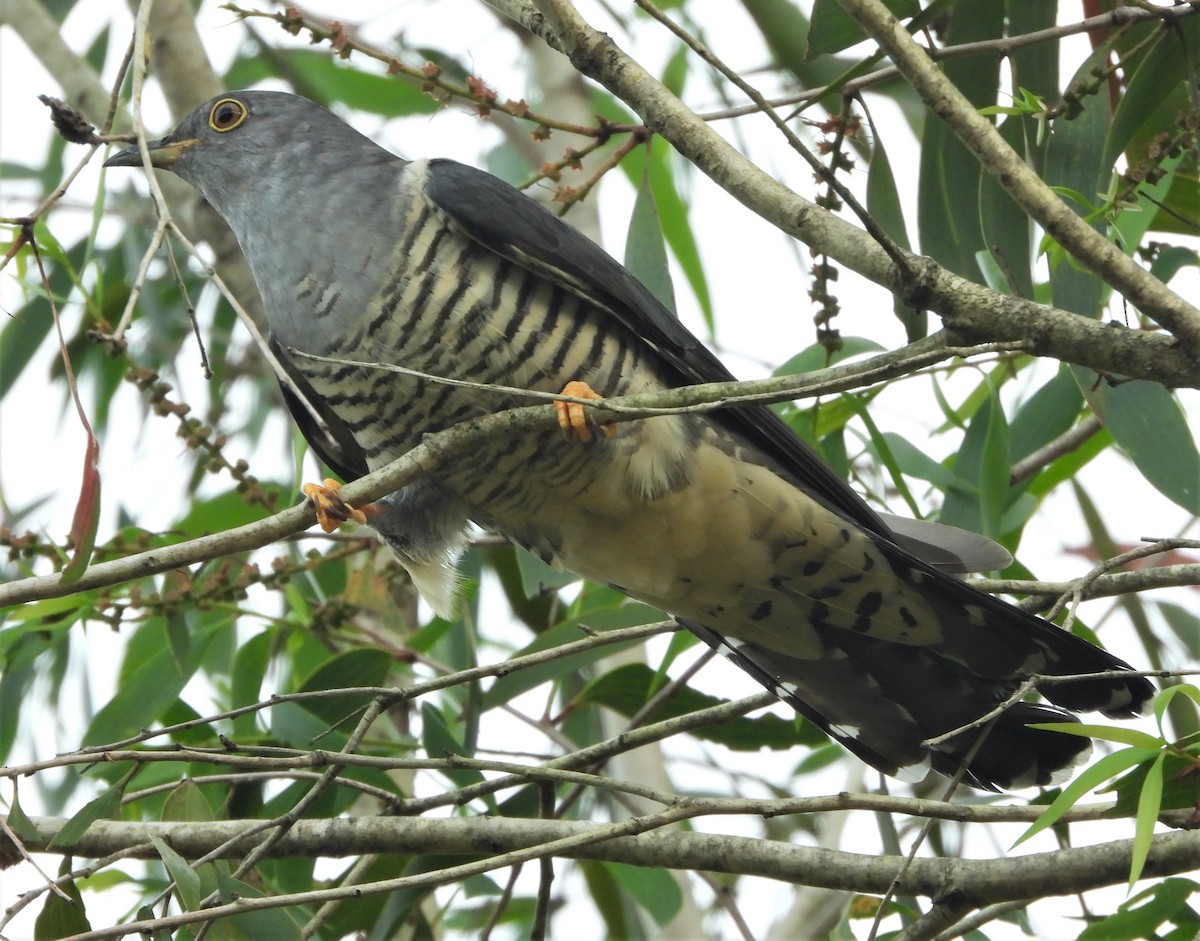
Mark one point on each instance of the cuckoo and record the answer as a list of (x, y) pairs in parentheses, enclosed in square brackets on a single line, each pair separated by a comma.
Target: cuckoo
[(726, 520)]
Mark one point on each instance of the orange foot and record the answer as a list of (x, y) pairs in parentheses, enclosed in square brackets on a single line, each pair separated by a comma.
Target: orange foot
[(572, 417), (330, 508)]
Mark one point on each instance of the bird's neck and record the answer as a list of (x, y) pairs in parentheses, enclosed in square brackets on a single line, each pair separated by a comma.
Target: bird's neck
[(313, 254)]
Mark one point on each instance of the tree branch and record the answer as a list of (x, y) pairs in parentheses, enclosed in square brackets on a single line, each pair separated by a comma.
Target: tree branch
[(974, 312), (977, 881), (1019, 180)]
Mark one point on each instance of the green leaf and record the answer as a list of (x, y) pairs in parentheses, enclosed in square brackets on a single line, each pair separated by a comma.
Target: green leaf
[(949, 184), (833, 414), (672, 206), (222, 512), (1170, 259), (105, 807), (439, 741), (249, 667), (833, 449), (979, 496), (1067, 467), (59, 917), (883, 203), (1184, 623), (1050, 412), (655, 890), (1106, 733), (1178, 787), (537, 577), (1147, 815), (1072, 161), (10, 170), (20, 338), (317, 75), (1107, 767), (186, 802), (950, 176), (815, 357), (45, 615), (1005, 225), (20, 824), (879, 445), (18, 671), (645, 250), (364, 666), (675, 72), (627, 689), (1155, 94), (615, 907), (832, 28), (536, 611), (1181, 208), (147, 913), (784, 28), (1133, 222), (274, 923), (614, 613), (178, 637), (1036, 66), (150, 681), (1163, 700), (187, 882), (1149, 425), (1146, 914), (915, 462), (680, 641)]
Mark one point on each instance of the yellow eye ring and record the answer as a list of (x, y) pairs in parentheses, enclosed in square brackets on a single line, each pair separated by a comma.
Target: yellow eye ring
[(227, 114)]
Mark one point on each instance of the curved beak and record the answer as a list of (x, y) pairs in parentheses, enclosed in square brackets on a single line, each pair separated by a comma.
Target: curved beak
[(163, 153)]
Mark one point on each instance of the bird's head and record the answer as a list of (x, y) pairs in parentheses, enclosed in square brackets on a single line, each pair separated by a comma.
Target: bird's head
[(242, 141)]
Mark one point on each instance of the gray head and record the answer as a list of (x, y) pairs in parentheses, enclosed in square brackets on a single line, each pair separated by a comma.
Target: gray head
[(308, 197), (246, 147)]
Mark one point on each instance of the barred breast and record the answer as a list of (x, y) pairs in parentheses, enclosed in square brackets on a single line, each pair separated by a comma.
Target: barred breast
[(450, 308)]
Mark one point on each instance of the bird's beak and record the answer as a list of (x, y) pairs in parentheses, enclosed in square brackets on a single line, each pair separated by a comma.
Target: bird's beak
[(163, 153)]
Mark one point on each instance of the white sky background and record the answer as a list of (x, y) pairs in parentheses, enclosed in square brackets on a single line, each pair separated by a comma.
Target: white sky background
[(758, 286)]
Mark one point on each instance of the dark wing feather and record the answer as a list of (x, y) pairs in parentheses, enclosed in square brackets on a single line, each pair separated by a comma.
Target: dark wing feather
[(514, 226), (1010, 755), (330, 438)]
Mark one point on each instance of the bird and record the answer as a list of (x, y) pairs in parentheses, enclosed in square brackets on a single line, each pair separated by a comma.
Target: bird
[(726, 520)]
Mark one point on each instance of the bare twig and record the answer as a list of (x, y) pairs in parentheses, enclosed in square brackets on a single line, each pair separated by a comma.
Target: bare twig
[(1065, 443), (899, 257)]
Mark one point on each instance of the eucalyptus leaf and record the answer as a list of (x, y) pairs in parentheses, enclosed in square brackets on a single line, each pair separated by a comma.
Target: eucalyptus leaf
[(1149, 425)]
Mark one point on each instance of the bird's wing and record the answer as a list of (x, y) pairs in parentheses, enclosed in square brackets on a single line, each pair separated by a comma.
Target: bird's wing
[(330, 437), (514, 226)]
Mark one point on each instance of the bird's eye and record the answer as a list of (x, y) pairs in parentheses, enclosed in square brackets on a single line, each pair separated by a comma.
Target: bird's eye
[(226, 114)]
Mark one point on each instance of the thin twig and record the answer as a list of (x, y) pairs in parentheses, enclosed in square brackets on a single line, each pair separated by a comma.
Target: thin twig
[(460, 439), (1069, 441), (899, 258)]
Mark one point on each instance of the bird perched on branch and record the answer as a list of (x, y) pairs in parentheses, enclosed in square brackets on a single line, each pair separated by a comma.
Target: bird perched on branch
[(726, 520)]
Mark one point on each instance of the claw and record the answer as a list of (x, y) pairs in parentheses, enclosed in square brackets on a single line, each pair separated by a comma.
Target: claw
[(330, 508), (573, 418)]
